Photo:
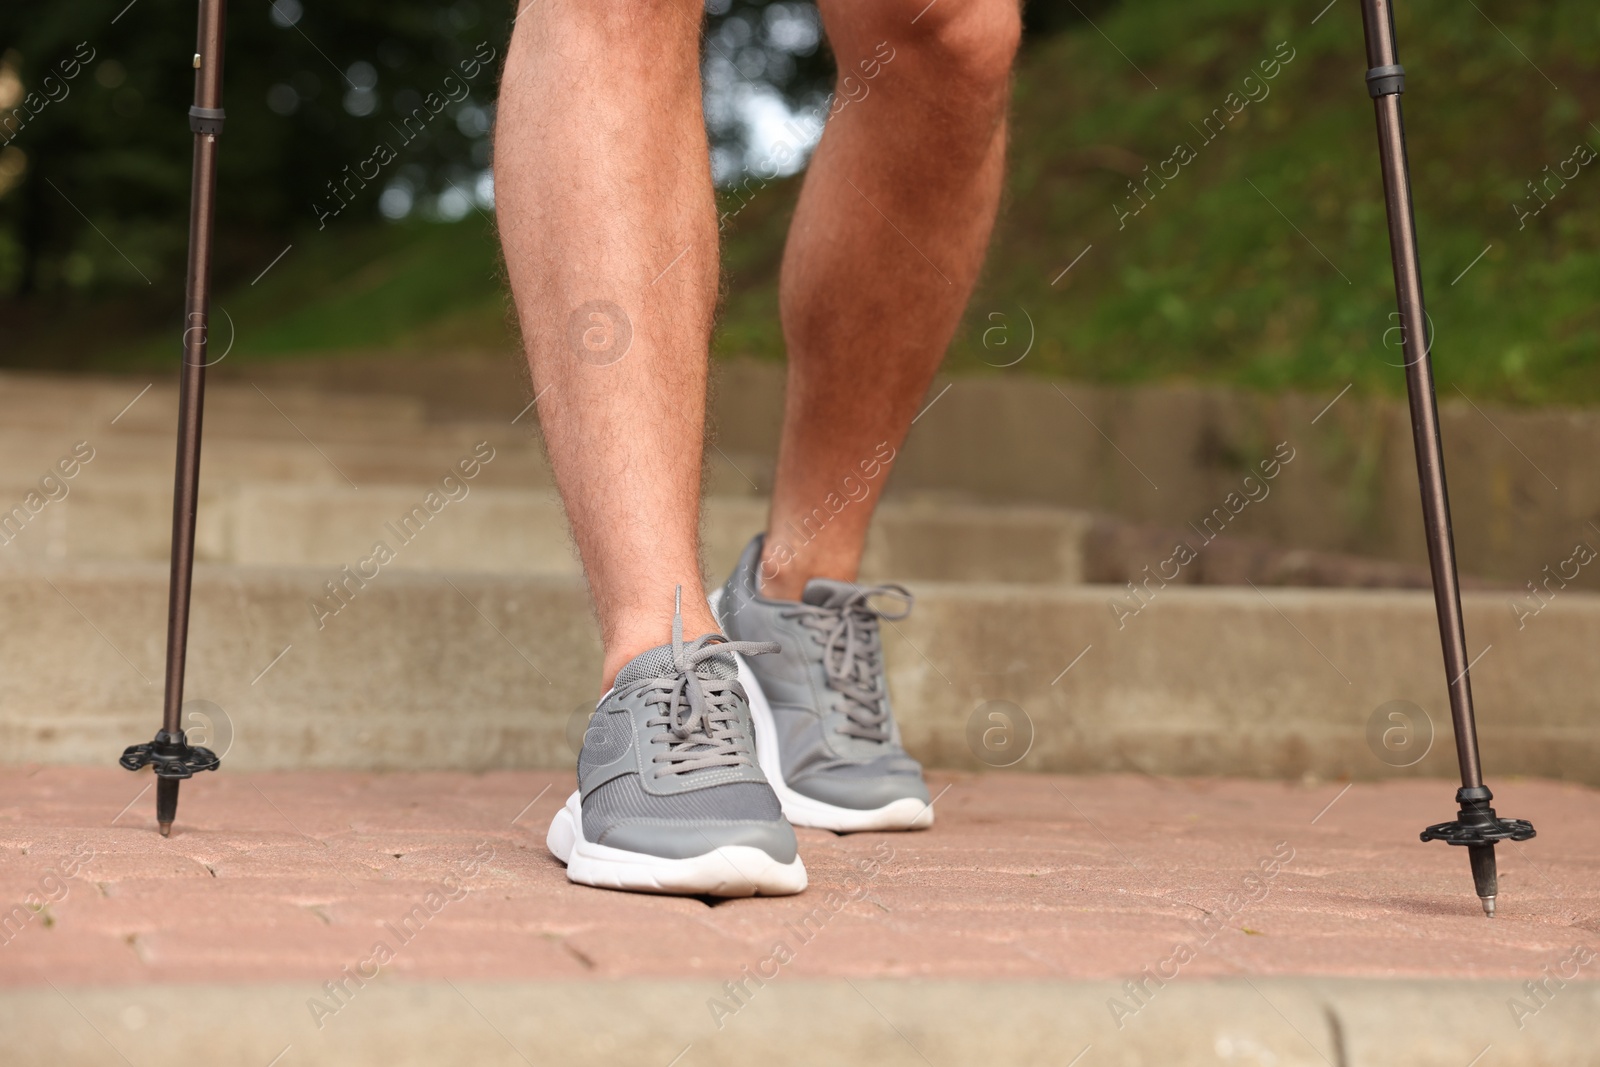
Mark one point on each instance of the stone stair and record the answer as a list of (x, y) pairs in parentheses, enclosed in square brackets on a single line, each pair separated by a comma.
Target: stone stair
[(474, 648), (1027, 927)]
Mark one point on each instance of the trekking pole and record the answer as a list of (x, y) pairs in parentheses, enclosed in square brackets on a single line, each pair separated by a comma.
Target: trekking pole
[(1477, 827), (170, 754)]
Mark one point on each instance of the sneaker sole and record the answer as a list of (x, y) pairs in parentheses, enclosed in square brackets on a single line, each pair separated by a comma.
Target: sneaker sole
[(908, 813), (728, 871)]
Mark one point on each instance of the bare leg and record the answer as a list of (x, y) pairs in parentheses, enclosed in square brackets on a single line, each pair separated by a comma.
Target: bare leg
[(885, 247), (603, 191)]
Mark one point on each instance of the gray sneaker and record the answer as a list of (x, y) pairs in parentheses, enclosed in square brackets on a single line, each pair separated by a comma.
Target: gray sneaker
[(825, 734), (670, 798)]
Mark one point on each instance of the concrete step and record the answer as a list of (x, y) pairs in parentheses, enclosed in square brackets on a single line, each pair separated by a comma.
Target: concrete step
[(1523, 491), (1523, 486), (895, 1022), (1038, 922), (470, 671), (150, 405), (145, 461), (504, 530)]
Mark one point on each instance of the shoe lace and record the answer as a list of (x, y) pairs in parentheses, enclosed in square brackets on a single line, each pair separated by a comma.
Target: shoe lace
[(852, 654), (700, 711)]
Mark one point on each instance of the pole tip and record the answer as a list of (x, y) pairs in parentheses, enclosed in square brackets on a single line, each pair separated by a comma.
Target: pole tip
[(1488, 906), (166, 831)]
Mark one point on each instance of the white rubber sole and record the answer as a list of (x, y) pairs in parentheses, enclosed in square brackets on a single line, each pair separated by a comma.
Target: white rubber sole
[(907, 813), (728, 871)]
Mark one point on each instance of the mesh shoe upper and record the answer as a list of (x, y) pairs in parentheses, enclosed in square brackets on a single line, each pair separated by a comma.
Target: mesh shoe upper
[(668, 762), (836, 734)]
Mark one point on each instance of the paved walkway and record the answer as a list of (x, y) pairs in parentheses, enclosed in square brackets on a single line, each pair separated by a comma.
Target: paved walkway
[(291, 877)]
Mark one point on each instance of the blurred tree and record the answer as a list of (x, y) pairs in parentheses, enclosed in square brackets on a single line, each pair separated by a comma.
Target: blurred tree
[(93, 119), (767, 61), (95, 146)]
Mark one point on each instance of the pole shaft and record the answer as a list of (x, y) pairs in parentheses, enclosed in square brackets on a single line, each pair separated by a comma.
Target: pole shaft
[(191, 393), (1378, 18)]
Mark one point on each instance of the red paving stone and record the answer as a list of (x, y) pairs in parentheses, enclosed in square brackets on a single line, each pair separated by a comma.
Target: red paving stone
[(282, 877)]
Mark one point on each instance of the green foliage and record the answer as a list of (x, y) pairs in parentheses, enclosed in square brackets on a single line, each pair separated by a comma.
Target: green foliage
[(415, 285), (1264, 261), (98, 193), (1209, 282)]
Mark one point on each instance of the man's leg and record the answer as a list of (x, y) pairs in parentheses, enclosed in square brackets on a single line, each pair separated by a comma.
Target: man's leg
[(883, 252), (606, 214), (886, 244), (603, 192)]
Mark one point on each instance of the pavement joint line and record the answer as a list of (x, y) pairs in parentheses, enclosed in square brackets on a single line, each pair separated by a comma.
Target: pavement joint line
[(281, 1055), (1480, 1055), (682, 1054), (308, 837)]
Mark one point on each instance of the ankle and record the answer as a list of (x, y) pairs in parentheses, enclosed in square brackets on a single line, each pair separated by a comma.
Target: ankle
[(646, 631), (783, 576)]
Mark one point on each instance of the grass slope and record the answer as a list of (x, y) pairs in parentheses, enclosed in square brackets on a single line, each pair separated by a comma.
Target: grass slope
[(1262, 260)]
